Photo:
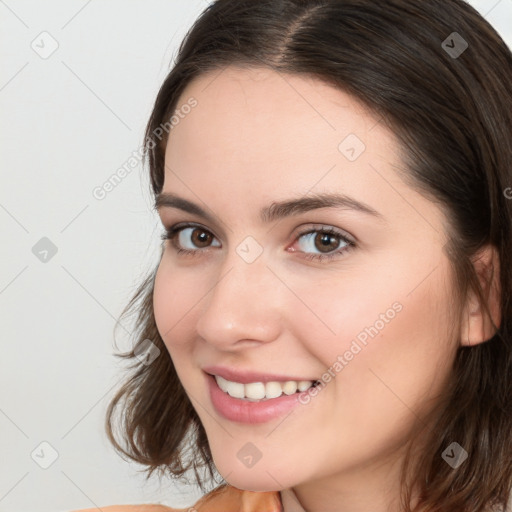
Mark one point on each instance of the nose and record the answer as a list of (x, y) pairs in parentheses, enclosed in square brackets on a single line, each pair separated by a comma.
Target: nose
[(244, 306)]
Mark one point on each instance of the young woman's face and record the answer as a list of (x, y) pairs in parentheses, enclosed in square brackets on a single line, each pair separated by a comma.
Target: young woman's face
[(371, 323)]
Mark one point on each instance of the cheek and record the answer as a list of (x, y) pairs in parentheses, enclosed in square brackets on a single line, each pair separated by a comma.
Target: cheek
[(383, 336), (395, 354), (342, 311), (172, 303), (173, 298)]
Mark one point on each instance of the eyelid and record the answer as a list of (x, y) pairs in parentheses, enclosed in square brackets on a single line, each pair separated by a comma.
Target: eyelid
[(312, 227), (327, 227), (344, 237), (173, 228)]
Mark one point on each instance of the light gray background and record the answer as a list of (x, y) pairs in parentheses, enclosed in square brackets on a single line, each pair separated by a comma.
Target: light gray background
[(69, 121)]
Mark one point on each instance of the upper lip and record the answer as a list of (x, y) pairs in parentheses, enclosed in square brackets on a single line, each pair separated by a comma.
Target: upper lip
[(247, 376)]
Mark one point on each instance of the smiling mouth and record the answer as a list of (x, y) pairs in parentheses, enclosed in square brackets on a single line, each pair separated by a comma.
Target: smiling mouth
[(261, 391)]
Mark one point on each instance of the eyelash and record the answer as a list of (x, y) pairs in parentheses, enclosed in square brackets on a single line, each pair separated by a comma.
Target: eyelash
[(170, 234)]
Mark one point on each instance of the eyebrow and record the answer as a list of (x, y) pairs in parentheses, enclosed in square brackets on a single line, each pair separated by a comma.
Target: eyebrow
[(276, 210)]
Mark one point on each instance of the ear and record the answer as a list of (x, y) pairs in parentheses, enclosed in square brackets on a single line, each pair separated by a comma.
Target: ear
[(476, 325)]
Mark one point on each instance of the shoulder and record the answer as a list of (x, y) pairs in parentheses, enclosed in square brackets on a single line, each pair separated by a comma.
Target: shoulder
[(224, 498), (133, 508)]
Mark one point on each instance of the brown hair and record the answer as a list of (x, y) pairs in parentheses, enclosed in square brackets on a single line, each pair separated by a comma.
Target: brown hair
[(450, 107)]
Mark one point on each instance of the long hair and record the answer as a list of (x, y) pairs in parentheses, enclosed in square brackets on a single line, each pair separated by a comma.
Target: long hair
[(440, 77)]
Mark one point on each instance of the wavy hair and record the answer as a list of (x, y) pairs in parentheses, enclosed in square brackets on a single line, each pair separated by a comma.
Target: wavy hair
[(450, 108)]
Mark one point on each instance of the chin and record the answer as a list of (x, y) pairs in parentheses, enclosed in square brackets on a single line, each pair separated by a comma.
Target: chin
[(257, 482)]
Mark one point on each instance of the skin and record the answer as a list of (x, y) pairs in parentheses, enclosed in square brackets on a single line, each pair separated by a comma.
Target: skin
[(255, 137)]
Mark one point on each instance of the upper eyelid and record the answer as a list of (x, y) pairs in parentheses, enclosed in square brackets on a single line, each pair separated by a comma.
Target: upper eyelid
[(163, 211), (312, 228)]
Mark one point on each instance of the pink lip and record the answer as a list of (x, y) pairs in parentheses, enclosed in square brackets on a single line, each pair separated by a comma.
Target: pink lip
[(248, 376), (243, 411)]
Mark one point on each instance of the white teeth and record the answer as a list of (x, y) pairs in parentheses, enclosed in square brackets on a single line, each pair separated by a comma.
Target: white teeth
[(273, 389), (222, 382), (290, 387), (304, 384), (255, 391), (234, 389)]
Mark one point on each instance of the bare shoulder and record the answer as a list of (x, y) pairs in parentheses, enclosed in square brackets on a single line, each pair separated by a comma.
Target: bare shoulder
[(133, 508)]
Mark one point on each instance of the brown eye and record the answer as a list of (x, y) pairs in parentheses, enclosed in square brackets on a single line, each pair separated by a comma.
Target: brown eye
[(189, 239), (200, 237), (193, 240), (196, 236), (325, 242)]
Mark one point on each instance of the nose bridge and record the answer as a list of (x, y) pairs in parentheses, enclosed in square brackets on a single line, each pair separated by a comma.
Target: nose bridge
[(243, 303)]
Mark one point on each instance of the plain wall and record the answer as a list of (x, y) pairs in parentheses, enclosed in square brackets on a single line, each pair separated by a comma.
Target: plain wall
[(70, 120)]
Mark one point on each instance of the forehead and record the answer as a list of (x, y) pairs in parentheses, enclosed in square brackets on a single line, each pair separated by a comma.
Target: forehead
[(257, 136), (258, 120), (265, 109)]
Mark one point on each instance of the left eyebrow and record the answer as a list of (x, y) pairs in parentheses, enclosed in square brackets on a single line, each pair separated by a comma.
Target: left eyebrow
[(276, 210)]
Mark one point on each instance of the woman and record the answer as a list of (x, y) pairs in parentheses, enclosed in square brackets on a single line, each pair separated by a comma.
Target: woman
[(329, 325)]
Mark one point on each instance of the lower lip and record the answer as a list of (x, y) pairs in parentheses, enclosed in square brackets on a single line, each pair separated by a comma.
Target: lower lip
[(243, 411)]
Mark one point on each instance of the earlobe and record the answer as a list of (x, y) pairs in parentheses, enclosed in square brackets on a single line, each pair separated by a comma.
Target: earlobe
[(476, 325)]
